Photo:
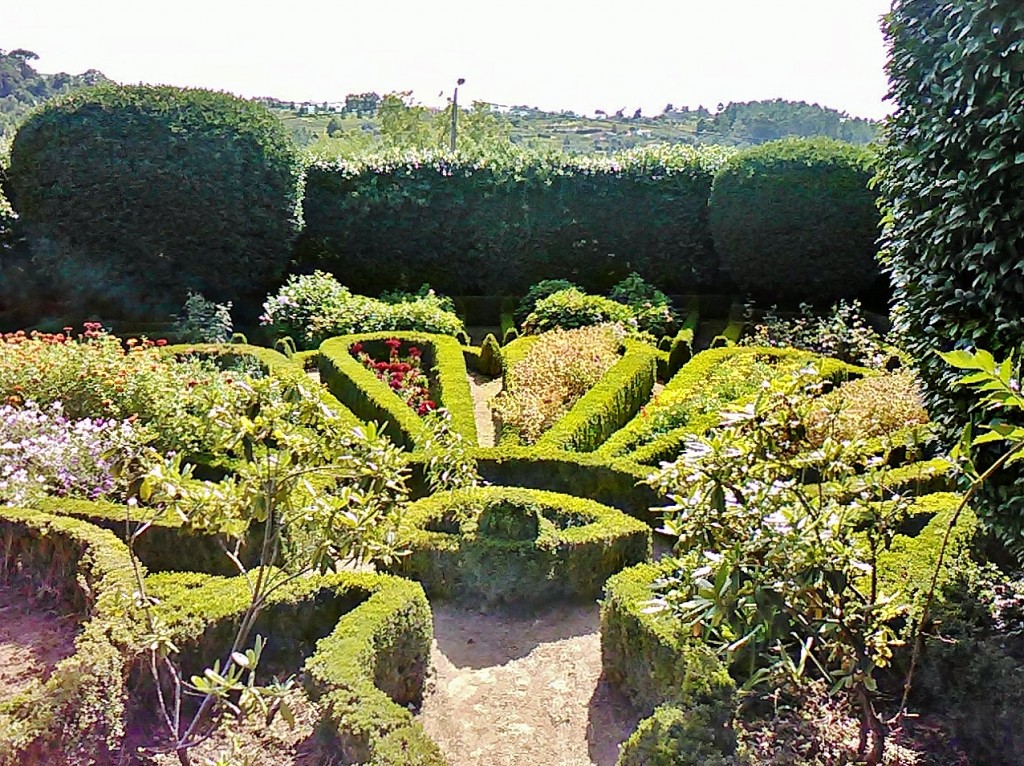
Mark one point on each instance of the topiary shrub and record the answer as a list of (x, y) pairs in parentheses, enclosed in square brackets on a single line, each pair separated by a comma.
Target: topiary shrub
[(539, 292), (132, 196), (490, 357), (953, 179), (795, 220)]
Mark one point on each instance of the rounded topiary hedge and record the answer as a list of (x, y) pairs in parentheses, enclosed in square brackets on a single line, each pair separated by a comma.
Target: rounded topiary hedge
[(794, 220), (516, 546), (132, 196)]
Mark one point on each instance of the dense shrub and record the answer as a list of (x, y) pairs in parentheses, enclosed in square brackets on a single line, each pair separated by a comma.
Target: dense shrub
[(872, 406), (650, 306), (539, 292), (795, 220), (132, 196), (675, 736), (843, 333), (569, 309), (310, 308), (555, 373), (203, 321), (953, 176), (498, 224)]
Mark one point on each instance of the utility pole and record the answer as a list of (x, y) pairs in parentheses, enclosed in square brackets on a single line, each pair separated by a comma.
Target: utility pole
[(455, 110)]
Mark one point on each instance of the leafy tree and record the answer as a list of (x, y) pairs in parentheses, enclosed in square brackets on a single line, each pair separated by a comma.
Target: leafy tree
[(953, 180)]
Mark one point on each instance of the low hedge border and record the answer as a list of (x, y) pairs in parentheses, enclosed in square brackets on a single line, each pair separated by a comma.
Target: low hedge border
[(372, 636), (165, 546), (79, 709), (372, 399), (289, 371), (689, 380), (609, 405), (651, 657), (520, 547), (680, 736), (617, 483), (908, 563)]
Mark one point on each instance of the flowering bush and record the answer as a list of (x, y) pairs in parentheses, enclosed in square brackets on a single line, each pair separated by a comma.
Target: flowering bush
[(312, 307), (555, 374), (874, 406), (403, 373), (94, 375), (43, 452), (843, 334)]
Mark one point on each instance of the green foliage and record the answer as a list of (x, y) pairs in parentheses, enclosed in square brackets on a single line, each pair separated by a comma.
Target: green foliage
[(572, 308), (538, 292), (674, 736), (775, 575), (162, 191), (650, 306), (22, 88), (755, 122), (490, 357), (651, 657), (496, 225), (313, 307), (203, 321), (951, 177), (795, 220), (72, 567), (373, 400), (609, 404), (516, 546), (843, 333)]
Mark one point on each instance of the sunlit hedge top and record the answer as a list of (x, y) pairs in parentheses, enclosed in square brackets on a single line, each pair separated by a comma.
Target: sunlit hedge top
[(174, 189)]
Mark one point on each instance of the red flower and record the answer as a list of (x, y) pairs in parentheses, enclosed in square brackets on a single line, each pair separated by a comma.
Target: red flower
[(414, 352), (162, 342), (355, 348), (393, 343)]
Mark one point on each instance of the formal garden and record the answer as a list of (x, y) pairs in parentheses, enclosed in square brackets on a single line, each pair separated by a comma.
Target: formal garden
[(682, 456)]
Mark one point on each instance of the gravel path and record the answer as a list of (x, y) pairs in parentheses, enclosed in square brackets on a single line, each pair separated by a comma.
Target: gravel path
[(484, 389), (523, 691)]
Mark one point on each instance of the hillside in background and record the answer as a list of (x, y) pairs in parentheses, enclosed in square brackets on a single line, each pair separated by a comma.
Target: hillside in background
[(354, 126), (22, 87), (365, 122)]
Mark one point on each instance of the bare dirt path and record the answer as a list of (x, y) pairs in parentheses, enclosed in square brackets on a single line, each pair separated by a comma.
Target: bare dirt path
[(484, 389), (32, 642), (522, 691)]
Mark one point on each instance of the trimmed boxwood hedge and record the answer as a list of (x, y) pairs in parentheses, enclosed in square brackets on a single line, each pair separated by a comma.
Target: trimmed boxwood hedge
[(678, 736), (691, 381), (165, 546), (794, 220), (500, 224), (133, 195), (607, 406), (651, 657), (520, 547), (368, 636), (372, 399), (74, 567)]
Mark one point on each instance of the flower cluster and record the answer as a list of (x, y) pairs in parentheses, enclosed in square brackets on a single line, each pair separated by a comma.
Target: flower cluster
[(404, 374), (43, 452)]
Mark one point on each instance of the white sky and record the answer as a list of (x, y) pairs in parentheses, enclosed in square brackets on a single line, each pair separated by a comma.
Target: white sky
[(554, 54)]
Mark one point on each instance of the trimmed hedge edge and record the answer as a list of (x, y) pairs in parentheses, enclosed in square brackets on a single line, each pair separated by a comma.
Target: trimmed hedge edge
[(609, 405), (79, 709), (517, 546), (372, 399)]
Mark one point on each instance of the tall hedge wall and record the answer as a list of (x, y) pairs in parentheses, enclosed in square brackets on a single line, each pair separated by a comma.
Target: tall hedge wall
[(131, 196), (953, 179), (795, 220), (497, 225)]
